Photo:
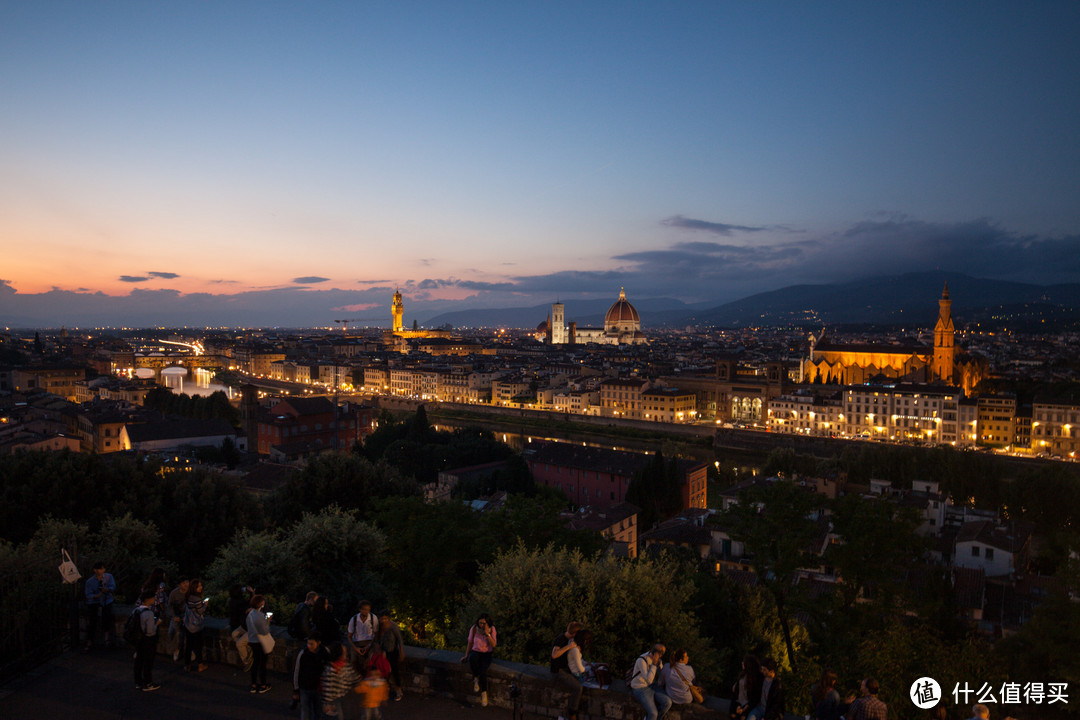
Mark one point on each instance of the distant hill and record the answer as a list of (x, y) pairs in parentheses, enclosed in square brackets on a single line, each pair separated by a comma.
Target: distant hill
[(895, 299), (891, 299)]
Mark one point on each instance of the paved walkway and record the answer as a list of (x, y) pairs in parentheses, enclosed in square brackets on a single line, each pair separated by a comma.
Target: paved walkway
[(100, 686)]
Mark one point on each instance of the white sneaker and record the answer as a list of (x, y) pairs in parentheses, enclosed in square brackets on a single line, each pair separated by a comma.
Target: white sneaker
[(483, 699), (475, 685)]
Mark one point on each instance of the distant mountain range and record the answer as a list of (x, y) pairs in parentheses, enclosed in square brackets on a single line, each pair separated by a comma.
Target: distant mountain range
[(896, 299)]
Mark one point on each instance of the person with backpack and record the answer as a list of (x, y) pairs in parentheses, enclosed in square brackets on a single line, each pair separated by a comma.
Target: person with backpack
[(156, 584), (560, 668), (363, 627), (141, 631), (301, 623), (194, 617), (642, 683)]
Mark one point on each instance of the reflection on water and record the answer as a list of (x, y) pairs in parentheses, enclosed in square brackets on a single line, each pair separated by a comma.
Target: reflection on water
[(518, 441)]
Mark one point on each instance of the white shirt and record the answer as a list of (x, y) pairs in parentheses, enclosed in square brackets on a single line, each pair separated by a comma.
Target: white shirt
[(363, 629)]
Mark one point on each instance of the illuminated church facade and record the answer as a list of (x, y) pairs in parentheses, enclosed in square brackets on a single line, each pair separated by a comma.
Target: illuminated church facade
[(858, 363), (622, 326)]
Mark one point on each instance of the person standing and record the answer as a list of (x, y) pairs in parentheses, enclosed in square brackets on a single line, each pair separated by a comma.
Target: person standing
[(257, 624), (363, 627), (393, 644), (310, 663), (643, 683), (479, 651), (560, 668), (175, 609), (325, 622), (238, 607), (338, 679), (156, 584), (99, 590), (147, 646), (194, 617), (374, 691), (868, 707), (301, 622)]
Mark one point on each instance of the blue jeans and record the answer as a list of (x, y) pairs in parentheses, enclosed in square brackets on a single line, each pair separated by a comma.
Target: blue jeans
[(309, 705), (656, 703), (756, 713)]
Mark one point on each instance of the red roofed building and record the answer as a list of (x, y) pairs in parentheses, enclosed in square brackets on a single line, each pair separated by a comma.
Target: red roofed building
[(311, 421)]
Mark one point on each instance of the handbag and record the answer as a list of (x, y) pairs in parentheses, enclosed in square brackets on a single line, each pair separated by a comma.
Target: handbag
[(266, 642), (68, 572), (696, 692)]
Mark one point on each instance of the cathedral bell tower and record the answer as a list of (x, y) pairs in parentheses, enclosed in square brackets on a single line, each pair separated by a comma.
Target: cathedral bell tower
[(944, 337)]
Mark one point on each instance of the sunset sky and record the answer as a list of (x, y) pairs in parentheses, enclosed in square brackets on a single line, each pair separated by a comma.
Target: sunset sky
[(183, 155)]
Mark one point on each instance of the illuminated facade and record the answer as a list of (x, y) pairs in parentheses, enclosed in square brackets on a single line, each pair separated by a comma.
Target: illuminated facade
[(622, 326), (1055, 428), (842, 363), (397, 334), (397, 310), (904, 412)]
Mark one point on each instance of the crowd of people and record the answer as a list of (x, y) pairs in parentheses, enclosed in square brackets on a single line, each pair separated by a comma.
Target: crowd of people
[(366, 658)]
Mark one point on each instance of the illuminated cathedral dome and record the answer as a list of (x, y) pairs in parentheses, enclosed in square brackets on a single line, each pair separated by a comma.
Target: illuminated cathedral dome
[(622, 316)]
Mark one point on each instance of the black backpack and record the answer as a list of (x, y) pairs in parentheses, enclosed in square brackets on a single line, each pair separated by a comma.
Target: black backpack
[(133, 632), (297, 627)]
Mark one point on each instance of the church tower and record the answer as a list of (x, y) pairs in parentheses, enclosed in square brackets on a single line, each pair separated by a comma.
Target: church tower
[(398, 310), (944, 337), (558, 324)]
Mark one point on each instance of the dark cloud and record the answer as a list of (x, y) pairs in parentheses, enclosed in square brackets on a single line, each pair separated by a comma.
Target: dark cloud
[(978, 247), (132, 278), (678, 221), (310, 280), (371, 282), (163, 275)]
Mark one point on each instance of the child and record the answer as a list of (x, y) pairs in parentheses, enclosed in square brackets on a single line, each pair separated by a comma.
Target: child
[(375, 691)]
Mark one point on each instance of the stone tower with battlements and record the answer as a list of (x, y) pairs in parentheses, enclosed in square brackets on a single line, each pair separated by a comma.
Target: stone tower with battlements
[(398, 310)]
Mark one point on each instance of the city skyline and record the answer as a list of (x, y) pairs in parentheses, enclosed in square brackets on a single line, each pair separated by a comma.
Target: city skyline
[(277, 156)]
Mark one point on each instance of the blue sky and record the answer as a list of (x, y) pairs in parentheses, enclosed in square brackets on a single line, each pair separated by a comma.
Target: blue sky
[(492, 154)]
